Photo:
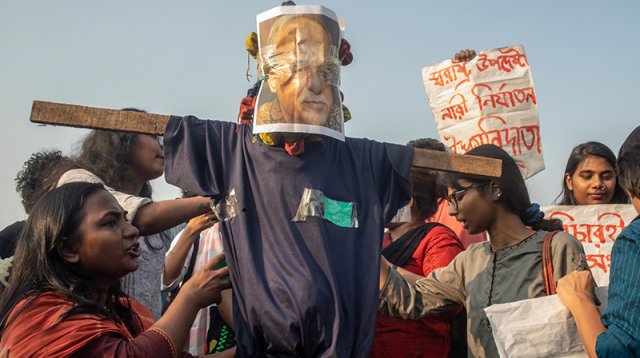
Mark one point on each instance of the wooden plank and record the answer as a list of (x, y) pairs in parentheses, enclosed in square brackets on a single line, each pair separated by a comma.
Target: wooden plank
[(457, 163), (88, 117)]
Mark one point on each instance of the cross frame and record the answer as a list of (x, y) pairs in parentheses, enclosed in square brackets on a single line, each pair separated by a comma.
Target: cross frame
[(148, 123)]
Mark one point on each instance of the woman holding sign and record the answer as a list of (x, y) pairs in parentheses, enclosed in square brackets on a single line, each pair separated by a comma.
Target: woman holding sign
[(507, 268)]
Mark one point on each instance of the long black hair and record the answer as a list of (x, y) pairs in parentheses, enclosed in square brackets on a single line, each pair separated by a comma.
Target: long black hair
[(514, 191), (426, 186), (38, 266), (577, 156)]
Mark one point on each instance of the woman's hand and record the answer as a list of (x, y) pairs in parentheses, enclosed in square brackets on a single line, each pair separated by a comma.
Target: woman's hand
[(205, 286), (576, 289), (200, 223)]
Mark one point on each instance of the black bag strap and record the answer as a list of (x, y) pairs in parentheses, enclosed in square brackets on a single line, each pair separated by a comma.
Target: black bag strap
[(192, 260)]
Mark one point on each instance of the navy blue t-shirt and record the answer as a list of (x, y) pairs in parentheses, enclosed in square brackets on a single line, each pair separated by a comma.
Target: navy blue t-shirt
[(301, 288)]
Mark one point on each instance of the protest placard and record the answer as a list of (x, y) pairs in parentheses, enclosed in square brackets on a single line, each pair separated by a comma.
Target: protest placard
[(488, 100), (596, 227)]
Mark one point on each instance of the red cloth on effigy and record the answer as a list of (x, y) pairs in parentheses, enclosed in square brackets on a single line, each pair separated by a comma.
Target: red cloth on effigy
[(431, 336), (39, 332)]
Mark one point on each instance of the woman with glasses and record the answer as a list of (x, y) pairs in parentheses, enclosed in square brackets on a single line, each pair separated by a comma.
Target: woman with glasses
[(506, 268)]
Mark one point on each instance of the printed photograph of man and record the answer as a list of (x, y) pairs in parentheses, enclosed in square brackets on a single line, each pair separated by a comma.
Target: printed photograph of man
[(299, 54)]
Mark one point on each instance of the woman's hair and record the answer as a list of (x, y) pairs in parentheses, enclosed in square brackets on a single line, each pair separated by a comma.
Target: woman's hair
[(432, 144), (425, 197), (426, 187), (515, 196), (578, 155), (38, 266), (108, 154)]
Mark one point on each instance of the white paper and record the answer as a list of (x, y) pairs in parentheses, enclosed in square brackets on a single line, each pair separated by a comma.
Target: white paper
[(596, 227), (538, 327), (488, 100)]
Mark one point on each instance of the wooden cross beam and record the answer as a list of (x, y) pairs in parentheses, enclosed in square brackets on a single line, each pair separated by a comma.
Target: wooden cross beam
[(149, 123)]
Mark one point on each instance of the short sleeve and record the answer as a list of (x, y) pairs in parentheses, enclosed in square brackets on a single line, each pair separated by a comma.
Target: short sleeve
[(130, 203), (195, 154), (440, 247)]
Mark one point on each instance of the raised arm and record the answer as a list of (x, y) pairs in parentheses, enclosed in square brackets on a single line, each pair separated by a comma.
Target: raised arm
[(158, 216), (174, 262)]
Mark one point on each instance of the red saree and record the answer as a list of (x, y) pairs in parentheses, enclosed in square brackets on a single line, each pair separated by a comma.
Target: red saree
[(39, 332)]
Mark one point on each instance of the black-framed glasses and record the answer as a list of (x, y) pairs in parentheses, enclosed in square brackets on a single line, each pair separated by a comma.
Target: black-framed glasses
[(454, 198)]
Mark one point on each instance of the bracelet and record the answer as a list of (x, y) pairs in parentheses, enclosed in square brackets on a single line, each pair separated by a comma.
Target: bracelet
[(167, 339)]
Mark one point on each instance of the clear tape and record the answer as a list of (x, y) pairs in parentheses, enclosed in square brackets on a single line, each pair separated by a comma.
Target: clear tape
[(315, 204), (226, 208), (403, 215), (276, 65)]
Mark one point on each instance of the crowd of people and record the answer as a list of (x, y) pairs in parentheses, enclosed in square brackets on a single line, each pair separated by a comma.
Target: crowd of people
[(77, 253), (101, 269)]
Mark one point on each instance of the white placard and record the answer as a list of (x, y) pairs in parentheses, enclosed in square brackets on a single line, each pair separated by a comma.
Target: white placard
[(596, 227), (488, 100)]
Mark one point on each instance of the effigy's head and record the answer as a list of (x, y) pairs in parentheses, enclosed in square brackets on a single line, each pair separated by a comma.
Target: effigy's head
[(298, 52)]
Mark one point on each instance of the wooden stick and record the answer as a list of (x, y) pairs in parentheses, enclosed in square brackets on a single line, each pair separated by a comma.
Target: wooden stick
[(88, 117), (457, 163), (148, 123)]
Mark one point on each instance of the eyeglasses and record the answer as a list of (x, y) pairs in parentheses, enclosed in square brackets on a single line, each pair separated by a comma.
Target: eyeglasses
[(456, 196)]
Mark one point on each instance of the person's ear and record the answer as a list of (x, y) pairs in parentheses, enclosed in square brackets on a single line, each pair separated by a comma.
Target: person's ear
[(68, 253), (495, 191), (568, 181)]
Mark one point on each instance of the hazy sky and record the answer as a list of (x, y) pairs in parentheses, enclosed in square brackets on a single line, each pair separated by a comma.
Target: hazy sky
[(188, 57)]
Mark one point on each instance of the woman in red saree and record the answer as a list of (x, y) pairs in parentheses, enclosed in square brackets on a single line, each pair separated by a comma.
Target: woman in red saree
[(64, 298)]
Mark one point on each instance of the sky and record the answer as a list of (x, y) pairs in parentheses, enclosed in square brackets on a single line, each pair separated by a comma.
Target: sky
[(188, 57)]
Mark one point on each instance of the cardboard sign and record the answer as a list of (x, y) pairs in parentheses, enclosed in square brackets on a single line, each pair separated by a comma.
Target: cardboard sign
[(488, 100)]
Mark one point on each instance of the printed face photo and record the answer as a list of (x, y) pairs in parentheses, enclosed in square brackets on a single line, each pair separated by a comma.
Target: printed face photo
[(299, 58)]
